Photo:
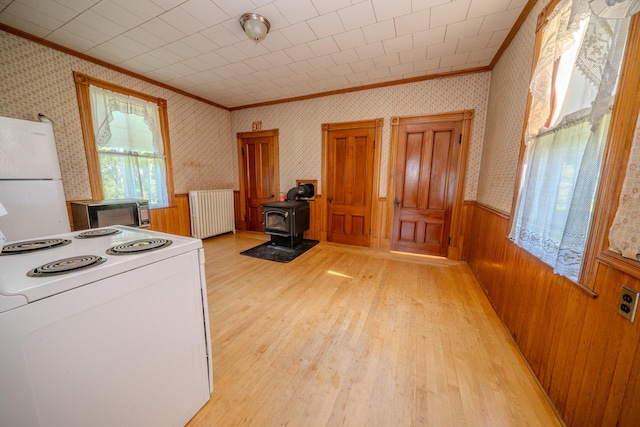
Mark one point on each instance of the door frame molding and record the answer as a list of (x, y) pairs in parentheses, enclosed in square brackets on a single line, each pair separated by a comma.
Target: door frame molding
[(377, 124), (273, 133), (457, 226)]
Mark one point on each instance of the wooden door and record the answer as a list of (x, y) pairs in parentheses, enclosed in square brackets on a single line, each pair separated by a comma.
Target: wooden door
[(259, 174), (350, 164), (426, 171)]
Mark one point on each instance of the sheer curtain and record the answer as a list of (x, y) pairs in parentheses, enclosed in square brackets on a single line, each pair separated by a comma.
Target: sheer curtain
[(562, 163), (130, 147)]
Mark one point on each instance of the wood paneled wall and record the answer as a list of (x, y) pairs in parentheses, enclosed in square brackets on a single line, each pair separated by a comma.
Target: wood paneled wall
[(174, 219), (315, 218), (585, 355)]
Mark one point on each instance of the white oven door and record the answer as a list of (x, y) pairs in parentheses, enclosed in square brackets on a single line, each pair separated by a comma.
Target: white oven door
[(129, 350)]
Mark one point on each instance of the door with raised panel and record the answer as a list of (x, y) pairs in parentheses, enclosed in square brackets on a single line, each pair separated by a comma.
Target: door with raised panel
[(259, 174), (350, 162), (425, 176)]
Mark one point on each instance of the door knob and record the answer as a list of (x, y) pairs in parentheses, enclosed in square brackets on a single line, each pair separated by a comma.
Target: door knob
[(396, 202), (329, 199)]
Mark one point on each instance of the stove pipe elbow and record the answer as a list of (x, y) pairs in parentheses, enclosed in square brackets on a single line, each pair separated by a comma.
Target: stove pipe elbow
[(304, 190)]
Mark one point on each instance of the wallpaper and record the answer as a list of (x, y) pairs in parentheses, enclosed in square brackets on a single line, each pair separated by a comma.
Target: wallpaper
[(37, 79), (300, 122), (624, 236), (507, 104)]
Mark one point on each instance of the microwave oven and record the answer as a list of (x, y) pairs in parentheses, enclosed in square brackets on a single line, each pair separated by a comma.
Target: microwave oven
[(104, 213)]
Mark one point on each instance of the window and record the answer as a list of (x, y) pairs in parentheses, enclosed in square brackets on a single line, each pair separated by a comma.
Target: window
[(126, 142), (572, 88)]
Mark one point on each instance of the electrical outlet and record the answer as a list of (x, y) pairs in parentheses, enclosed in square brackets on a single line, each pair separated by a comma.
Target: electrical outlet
[(628, 303)]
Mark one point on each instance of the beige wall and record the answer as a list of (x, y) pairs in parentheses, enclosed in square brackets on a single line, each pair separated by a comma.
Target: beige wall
[(300, 122), (505, 117), (36, 79)]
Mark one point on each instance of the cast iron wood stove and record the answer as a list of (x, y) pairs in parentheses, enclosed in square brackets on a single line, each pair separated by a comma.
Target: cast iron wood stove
[(287, 221)]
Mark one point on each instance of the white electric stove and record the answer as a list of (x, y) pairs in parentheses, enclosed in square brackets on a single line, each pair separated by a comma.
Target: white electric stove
[(103, 327)]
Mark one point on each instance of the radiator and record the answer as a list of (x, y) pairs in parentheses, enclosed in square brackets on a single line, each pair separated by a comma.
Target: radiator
[(211, 212)]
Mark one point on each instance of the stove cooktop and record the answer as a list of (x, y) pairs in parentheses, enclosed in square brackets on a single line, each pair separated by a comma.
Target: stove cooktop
[(137, 246), (66, 265), (98, 232), (32, 246), (36, 273)]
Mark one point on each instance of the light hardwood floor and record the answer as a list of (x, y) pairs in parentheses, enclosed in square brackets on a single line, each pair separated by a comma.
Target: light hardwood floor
[(344, 336)]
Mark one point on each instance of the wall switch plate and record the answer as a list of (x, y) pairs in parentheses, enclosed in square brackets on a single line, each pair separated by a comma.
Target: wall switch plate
[(628, 303)]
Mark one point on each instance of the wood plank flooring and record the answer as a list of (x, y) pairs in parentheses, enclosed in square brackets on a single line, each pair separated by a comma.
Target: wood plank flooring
[(345, 336)]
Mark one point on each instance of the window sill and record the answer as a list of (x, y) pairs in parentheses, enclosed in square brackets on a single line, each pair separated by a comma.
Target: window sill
[(584, 289)]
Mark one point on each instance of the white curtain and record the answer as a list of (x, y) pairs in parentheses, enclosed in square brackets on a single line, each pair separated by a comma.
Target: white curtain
[(598, 60), (562, 163), (130, 147), (561, 171)]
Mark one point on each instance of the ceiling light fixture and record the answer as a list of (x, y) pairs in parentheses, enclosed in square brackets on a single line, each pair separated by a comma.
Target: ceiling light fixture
[(256, 26)]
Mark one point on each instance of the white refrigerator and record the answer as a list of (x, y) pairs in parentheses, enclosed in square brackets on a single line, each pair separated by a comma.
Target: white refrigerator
[(30, 182)]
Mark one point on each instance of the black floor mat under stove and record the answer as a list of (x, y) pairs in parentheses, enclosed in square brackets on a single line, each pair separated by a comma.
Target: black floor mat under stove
[(271, 252)]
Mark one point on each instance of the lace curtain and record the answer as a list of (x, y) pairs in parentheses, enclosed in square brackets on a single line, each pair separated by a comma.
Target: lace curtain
[(562, 164), (598, 60), (131, 138), (130, 147)]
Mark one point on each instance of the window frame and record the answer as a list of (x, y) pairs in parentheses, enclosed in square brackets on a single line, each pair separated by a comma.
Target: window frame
[(537, 47), (82, 82), (626, 111), (617, 149)]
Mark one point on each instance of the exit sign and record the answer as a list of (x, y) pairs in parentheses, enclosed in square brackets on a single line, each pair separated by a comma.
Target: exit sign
[(256, 126)]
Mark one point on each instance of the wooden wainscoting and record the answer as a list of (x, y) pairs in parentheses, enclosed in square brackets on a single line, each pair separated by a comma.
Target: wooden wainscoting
[(585, 355), (381, 223), (315, 218), (174, 219), (237, 211)]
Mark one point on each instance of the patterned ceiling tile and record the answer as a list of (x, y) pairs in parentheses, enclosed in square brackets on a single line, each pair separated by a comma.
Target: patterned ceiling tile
[(163, 40)]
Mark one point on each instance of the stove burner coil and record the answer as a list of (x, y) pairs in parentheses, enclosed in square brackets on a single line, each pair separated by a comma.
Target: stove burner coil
[(98, 233), (32, 246), (67, 265), (137, 246)]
